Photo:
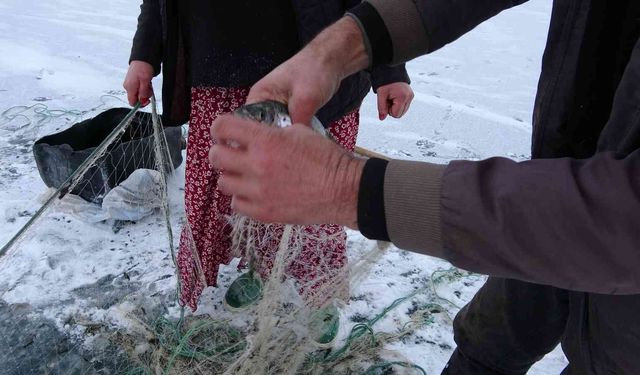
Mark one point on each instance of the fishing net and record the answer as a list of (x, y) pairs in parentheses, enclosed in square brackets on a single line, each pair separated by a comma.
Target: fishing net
[(107, 188), (111, 179), (59, 155)]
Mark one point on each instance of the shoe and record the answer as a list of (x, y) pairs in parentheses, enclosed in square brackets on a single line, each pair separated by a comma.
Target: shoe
[(243, 292), (324, 325)]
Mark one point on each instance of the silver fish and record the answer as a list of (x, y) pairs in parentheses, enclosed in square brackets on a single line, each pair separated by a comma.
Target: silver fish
[(275, 114)]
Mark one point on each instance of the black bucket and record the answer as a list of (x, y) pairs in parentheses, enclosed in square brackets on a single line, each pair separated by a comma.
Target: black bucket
[(59, 155)]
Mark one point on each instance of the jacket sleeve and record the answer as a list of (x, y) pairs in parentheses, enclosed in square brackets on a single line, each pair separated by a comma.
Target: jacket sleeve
[(348, 4), (568, 223), (147, 41), (400, 30), (384, 74)]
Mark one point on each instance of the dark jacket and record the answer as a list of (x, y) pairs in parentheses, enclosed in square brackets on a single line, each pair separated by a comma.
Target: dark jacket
[(569, 218), (158, 41)]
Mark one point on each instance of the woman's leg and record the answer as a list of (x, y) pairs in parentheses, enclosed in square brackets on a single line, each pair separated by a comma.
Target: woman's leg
[(206, 232)]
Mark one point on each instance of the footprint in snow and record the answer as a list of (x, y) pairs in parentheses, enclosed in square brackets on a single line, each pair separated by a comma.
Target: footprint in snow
[(44, 72)]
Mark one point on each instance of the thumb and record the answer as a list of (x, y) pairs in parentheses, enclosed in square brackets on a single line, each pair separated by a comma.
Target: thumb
[(256, 95), (302, 110), (264, 90)]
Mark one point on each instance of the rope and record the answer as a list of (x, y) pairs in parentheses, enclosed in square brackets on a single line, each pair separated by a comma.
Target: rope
[(385, 365), (44, 114), (360, 329), (180, 345)]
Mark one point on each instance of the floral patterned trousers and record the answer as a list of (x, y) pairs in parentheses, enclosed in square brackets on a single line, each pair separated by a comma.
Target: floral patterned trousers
[(207, 208)]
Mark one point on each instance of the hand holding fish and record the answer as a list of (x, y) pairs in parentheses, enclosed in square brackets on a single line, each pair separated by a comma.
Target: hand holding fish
[(310, 78), (294, 175), (291, 175)]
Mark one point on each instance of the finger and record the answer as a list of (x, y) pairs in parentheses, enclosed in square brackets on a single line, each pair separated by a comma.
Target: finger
[(401, 111), (383, 105), (238, 205), (247, 207), (408, 103), (229, 159), (258, 94), (302, 109), (145, 92), (297, 126), (233, 128), (396, 108), (235, 186), (132, 93), (405, 109)]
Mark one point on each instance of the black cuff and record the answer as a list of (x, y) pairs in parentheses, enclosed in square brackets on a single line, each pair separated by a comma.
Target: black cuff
[(383, 75), (141, 57), (372, 221), (377, 33)]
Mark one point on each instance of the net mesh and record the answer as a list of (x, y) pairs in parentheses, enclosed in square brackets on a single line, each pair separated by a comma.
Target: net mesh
[(130, 323)]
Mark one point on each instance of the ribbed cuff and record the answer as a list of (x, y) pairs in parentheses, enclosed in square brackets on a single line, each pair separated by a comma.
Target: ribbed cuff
[(374, 31), (372, 221), (412, 192), (404, 25)]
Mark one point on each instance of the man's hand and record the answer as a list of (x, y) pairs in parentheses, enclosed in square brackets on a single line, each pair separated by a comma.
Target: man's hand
[(394, 99), (310, 78), (291, 175), (137, 82), (294, 175), (304, 83)]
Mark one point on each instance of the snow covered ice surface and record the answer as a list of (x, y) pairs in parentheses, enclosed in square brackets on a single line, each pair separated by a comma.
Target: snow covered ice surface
[(473, 100)]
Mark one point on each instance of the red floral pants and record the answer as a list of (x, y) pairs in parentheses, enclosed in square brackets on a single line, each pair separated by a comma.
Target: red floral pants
[(207, 208)]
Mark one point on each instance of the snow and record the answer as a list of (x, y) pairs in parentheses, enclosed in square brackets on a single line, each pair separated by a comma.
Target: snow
[(474, 100)]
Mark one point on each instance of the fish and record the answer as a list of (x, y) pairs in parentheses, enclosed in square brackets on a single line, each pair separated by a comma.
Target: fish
[(276, 114)]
